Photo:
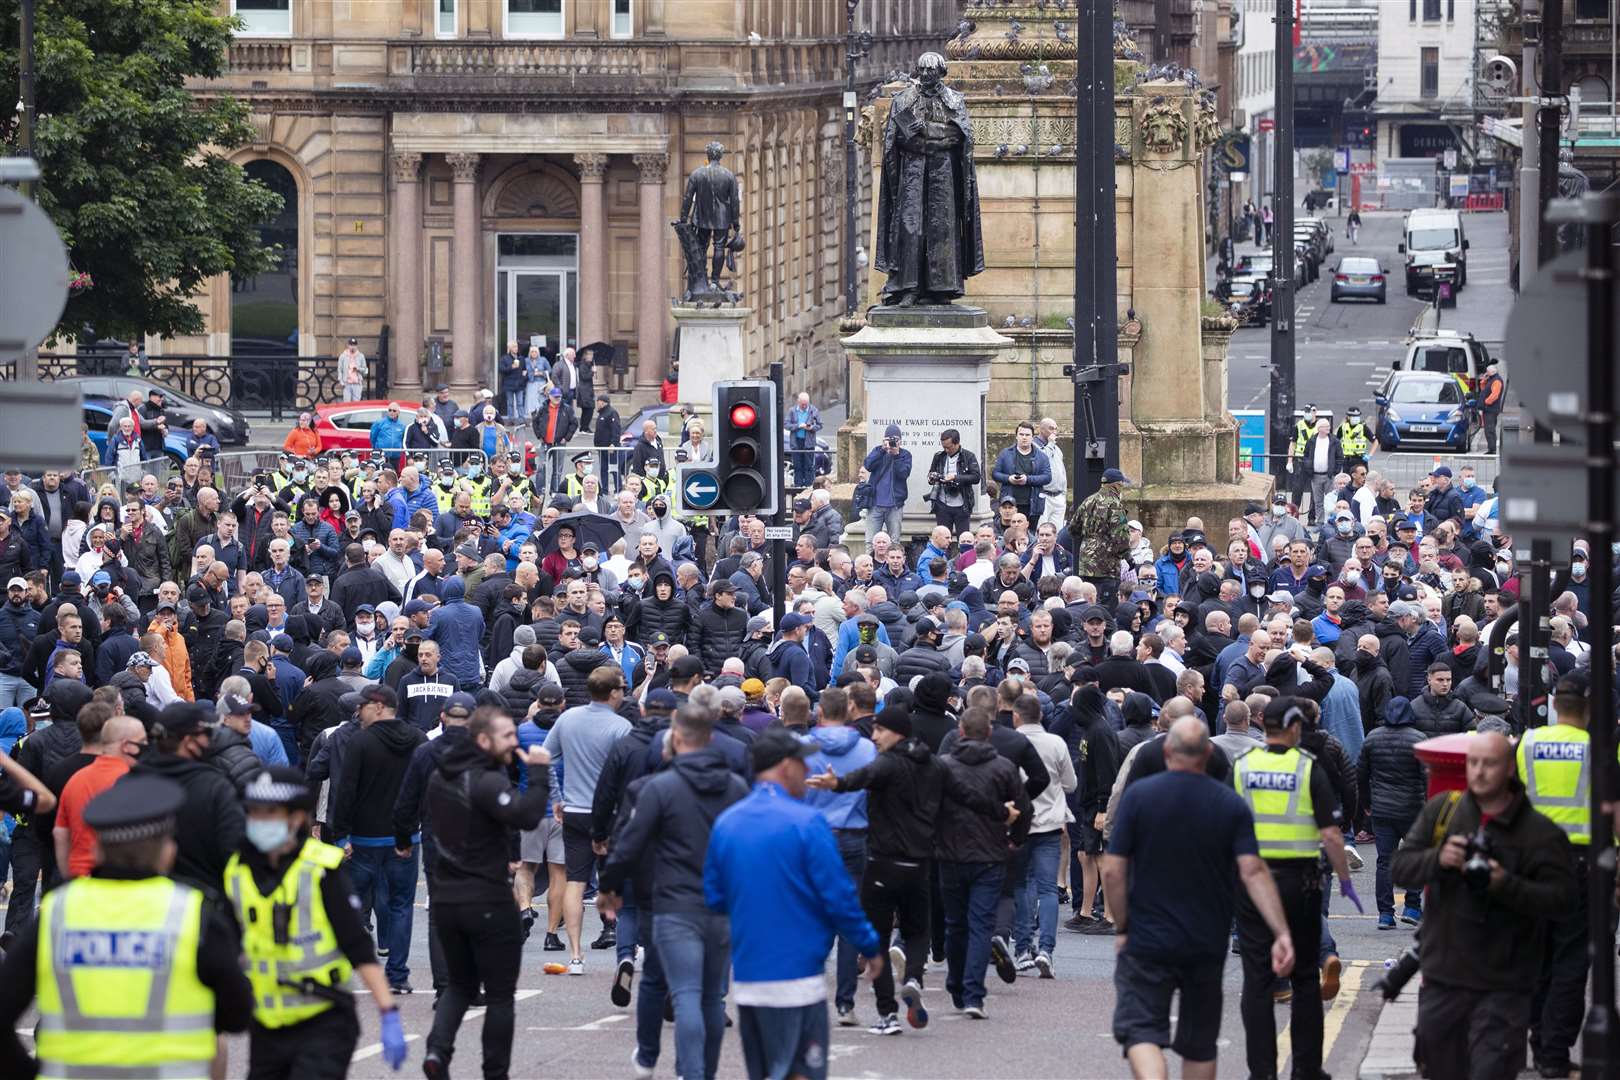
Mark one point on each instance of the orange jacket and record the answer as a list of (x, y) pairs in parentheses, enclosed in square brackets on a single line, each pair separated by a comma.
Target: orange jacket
[(176, 661), (303, 442)]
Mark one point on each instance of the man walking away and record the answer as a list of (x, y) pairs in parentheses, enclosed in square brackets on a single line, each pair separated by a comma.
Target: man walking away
[(1050, 816), (1392, 782), (772, 862), (475, 810), (1168, 874)]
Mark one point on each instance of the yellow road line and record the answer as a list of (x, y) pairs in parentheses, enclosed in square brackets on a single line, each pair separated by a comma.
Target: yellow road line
[(1351, 979)]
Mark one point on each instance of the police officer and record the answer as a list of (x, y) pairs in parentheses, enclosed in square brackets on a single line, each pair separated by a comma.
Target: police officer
[(1353, 439), (1295, 812), (1555, 768), (1304, 430), (132, 974), (444, 487), (302, 937), (573, 484), (507, 480)]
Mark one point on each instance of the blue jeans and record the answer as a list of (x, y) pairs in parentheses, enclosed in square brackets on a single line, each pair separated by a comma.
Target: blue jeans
[(380, 875), (627, 929), (695, 950), (885, 519), (803, 460), (288, 734), (970, 892), (1039, 895), (14, 691), (650, 995), (852, 847), (1388, 837)]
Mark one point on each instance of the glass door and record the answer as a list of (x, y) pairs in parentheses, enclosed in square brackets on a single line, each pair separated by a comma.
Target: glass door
[(538, 303)]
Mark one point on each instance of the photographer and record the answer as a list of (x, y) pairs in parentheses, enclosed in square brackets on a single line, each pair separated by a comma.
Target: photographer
[(954, 473), (1498, 870)]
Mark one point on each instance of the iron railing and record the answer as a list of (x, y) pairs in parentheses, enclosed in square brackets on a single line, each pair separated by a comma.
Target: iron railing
[(277, 384)]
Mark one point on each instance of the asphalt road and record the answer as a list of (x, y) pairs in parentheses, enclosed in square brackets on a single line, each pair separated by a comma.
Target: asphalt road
[(567, 1028), (1344, 350)]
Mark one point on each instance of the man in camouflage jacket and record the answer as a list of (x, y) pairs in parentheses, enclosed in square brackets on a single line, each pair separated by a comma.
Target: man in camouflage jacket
[(1100, 529)]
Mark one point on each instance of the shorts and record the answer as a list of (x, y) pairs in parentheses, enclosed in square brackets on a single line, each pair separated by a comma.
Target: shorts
[(577, 853), (1142, 991), (1086, 837), (779, 1043), (543, 843)]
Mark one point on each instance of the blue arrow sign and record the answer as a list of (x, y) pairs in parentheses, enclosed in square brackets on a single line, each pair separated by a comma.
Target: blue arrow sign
[(700, 489)]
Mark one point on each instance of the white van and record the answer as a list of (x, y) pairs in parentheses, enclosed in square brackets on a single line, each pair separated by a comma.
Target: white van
[(1433, 238), (1447, 352)]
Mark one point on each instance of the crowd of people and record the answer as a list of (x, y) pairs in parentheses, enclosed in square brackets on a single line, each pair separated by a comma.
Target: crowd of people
[(357, 670)]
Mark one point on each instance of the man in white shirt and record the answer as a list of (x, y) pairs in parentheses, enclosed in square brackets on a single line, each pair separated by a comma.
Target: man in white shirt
[(1056, 493), (1049, 816)]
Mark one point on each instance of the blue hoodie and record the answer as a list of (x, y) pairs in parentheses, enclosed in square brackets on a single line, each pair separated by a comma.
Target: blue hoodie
[(13, 726), (849, 636), (458, 627), (773, 865), (843, 750)]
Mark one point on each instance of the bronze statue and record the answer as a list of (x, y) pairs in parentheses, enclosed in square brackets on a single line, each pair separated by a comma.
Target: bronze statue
[(928, 233), (711, 218)]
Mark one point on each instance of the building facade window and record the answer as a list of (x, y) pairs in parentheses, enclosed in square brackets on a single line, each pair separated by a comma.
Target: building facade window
[(264, 308), (264, 18), (1431, 10), (1591, 9), (624, 24), (534, 18), (1430, 73), (445, 21)]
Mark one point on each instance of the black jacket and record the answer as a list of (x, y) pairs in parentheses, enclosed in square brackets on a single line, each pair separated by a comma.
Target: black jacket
[(210, 824), (1016, 749), (1391, 779), (231, 753), (717, 634), (1494, 939), (362, 585), (203, 635), (920, 660), (1441, 716), (968, 477), (575, 668), (1099, 755), (964, 834), (1283, 673), (670, 616), (475, 809), (1397, 653), (904, 787), (1124, 672), (374, 765), (674, 813), (410, 808)]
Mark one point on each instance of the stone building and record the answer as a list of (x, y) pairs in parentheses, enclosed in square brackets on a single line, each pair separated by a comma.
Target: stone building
[(459, 173)]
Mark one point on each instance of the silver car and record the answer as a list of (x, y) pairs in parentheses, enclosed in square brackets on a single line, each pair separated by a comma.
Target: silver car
[(1360, 277)]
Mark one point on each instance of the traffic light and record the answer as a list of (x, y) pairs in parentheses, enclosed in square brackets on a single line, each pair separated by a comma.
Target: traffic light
[(748, 446)]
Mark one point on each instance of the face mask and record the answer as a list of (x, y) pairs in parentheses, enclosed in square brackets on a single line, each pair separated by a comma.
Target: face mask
[(589, 563), (1278, 511), (365, 629), (1577, 571), (1258, 591), (660, 510), (474, 471), (1349, 577), (299, 474), (268, 834), (635, 584), (1503, 564), (1468, 483), (1345, 528)]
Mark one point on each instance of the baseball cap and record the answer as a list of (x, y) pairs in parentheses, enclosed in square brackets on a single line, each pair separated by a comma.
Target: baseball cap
[(925, 625), (662, 699), (1441, 470), (238, 706), (71, 577), (753, 688), (165, 605), (1008, 500), (551, 694), (281, 643), (865, 654), (1252, 508), (591, 546), (774, 746), (100, 577), (723, 586), (793, 620), (139, 658), (350, 657), (417, 607), (685, 668), (1114, 476), (801, 504), (1018, 664), (365, 609), (760, 622), (659, 638), (1281, 596), (185, 718), (460, 702), (198, 595), (469, 550), (1095, 611), (1137, 525), (21, 583), (377, 694)]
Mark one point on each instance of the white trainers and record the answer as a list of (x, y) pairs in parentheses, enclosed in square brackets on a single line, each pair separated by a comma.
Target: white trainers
[(886, 1025), (576, 967), (897, 961), (637, 1069), (1353, 857), (975, 1012)]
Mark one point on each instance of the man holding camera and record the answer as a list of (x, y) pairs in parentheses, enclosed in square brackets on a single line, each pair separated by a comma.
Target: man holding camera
[(1498, 870)]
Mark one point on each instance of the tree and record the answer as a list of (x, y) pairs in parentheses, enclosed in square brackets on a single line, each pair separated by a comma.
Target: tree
[(130, 160)]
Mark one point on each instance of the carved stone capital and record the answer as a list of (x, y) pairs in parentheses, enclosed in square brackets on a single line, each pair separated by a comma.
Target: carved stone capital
[(407, 167), (592, 167), (653, 167), (464, 167)]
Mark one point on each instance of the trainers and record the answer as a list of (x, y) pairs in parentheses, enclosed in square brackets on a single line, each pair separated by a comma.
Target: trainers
[(1411, 916), (382, 950), (975, 1012), (1025, 962), (911, 994), (607, 939), (1100, 927), (576, 966), (1043, 964), (434, 1067), (897, 961), (847, 1017), (1001, 956), (887, 1025), (403, 987), (637, 1069), (528, 925), (622, 978), (1078, 922), (1386, 920), (554, 943), (1331, 968), (1283, 995), (1354, 857)]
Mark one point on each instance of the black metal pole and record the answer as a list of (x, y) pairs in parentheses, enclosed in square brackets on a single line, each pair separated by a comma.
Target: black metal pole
[(1597, 1039), (1163, 32), (1549, 121), (851, 187), (1282, 243), (25, 65), (1096, 279), (782, 515)]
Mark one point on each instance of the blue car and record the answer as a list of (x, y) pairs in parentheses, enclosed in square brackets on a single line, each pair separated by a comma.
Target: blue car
[(1422, 410), (98, 414)]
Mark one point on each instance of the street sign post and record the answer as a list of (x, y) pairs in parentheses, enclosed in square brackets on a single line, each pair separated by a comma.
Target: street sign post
[(700, 488), (34, 266)]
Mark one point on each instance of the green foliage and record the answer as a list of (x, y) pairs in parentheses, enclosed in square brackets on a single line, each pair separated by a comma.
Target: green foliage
[(130, 159), (1211, 309)]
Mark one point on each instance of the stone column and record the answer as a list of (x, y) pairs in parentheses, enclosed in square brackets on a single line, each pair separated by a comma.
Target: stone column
[(405, 279), (593, 284), (468, 364), (652, 302)]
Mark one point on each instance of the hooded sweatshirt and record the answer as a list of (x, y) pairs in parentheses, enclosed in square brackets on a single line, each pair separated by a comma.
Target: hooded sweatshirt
[(843, 750), (373, 772), (475, 809), (458, 627)]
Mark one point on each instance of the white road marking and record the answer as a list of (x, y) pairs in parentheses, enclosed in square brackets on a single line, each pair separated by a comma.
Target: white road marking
[(594, 1025), (376, 1048)]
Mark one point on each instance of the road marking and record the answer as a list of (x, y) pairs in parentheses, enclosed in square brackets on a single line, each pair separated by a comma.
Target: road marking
[(376, 1048), (1352, 977), (594, 1025), (1360, 363)]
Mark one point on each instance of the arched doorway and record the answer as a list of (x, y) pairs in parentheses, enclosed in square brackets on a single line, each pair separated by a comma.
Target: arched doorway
[(533, 208), (264, 307)]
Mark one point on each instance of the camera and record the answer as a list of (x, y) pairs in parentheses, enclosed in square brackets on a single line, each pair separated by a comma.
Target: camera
[(261, 479), (1476, 871), (891, 441), (1500, 75), (1397, 973)]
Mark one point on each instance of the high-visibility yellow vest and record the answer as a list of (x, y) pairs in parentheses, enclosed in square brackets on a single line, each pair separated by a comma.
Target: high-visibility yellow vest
[(1302, 436), (654, 485), (310, 950), (445, 495), (1353, 439), (1555, 766), (574, 486), (117, 982), (482, 488), (1277, 788)]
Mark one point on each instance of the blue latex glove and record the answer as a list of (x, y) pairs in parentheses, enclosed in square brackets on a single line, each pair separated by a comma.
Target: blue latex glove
[(393, 1039), (1347, 889)]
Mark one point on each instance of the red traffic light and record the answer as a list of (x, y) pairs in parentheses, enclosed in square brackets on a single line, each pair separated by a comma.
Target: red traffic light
[(744, 415)]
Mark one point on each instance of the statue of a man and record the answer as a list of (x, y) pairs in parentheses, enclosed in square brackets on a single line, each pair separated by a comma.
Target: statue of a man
[(928, 234), (710, 206)]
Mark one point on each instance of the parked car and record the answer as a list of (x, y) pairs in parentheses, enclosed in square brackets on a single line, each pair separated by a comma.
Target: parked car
[(1323, 229), (1261, 262), (1446, 352), (227, 425), (347, 425), (97, 415), (1361, 277), (1249, 298), (1422, 410)]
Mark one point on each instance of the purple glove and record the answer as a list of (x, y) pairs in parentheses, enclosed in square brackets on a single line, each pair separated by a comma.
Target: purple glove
[(1347, 889)]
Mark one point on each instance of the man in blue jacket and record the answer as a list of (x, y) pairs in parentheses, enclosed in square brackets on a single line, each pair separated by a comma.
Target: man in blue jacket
[(1023, 471), (458, 627), (887, 467), (789, 658), (410, 495), (773, 867), (388, 433)]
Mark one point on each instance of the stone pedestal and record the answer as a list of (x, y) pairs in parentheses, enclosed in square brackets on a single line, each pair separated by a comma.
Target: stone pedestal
[(711, 350), (925, 369)]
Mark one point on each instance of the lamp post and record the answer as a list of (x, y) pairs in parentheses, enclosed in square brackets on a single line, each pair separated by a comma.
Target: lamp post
[(856, 47)]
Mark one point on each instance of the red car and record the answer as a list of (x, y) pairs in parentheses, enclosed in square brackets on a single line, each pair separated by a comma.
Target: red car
[(347, 425)]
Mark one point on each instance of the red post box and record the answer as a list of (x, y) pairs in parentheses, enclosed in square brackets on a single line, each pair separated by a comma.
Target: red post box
[(1447, 759)]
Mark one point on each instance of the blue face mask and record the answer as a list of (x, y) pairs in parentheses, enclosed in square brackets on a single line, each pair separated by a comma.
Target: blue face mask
[(267, 834), (474, 471), (1468, 483)]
